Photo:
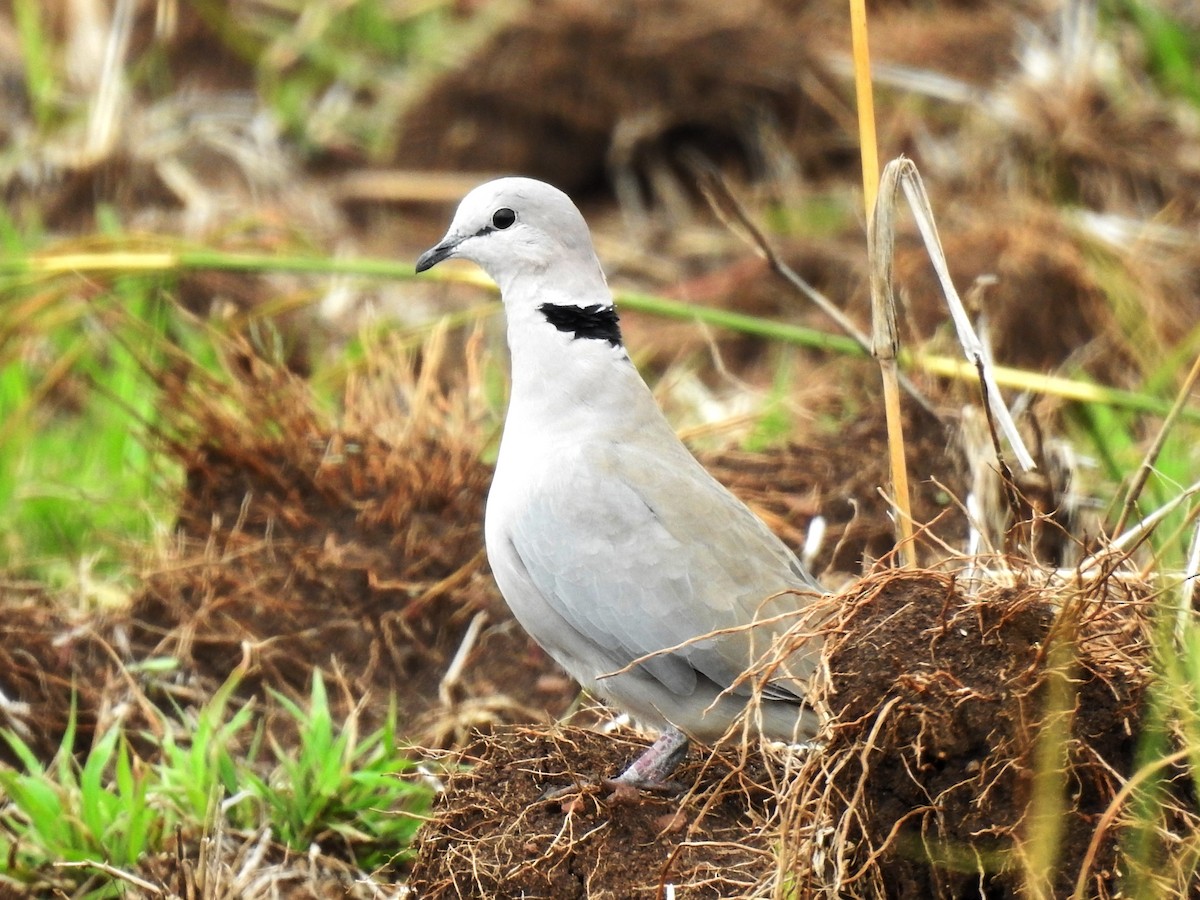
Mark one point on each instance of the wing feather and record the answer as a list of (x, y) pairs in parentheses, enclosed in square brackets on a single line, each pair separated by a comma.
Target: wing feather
[(622, 565)]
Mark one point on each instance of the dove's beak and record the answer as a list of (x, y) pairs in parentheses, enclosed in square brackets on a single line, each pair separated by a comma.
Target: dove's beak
[(436, 254)]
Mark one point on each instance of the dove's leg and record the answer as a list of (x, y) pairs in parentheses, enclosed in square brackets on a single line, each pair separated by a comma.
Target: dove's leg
[(648, 772), (651, 769)]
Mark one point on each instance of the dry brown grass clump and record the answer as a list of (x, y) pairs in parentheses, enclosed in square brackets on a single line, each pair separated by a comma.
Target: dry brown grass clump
[(356, 546), (495, 834), (224, 865), (977, 738), (50, 658)]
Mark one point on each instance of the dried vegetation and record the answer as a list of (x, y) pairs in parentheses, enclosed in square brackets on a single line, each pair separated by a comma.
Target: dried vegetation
[(984, 717)]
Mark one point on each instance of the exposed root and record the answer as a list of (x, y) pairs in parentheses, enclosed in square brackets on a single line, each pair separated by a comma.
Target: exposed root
[(930, 782), (496, 836)]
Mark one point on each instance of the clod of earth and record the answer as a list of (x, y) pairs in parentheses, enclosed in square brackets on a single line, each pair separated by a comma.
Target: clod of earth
[(496, 836)]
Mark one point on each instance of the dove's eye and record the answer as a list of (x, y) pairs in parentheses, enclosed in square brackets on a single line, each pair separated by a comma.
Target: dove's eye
[(503, 217)]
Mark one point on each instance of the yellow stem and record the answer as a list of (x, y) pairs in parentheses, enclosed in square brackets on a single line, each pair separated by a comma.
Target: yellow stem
[(868, 144), (900, 492)]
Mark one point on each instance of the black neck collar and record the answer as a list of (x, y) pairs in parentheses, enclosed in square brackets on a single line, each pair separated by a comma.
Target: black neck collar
[(597, 322)]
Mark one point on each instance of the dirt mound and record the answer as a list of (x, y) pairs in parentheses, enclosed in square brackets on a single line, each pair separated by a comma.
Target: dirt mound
[(537, 96), (495, 835), (946, 772)]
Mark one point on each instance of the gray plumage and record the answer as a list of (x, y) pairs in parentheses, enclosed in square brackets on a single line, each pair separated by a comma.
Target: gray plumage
[(607, 538)]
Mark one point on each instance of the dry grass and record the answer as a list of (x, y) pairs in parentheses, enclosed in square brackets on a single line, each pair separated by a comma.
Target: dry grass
[(939, 701), (497, 834), (304, 543)]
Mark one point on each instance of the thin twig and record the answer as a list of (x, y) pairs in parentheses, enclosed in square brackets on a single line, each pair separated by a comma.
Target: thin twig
[(1011, 494), (453, 677), (1127, 542), (1143, 473), (885, 346), (902, 173), (112, 870), (868, 145), (734, 215)]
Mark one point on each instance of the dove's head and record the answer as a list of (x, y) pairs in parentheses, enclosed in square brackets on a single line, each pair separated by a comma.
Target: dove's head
[(521, 230)]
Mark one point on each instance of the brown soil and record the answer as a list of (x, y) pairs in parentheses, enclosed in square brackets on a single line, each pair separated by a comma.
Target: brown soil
[(496, 835), (940, 696)]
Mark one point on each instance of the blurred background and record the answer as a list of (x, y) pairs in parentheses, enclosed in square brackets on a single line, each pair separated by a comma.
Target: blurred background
[(1059, 142), (240, 442)]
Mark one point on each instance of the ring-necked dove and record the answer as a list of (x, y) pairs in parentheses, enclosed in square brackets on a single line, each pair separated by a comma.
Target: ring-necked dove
[(607, 538)]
